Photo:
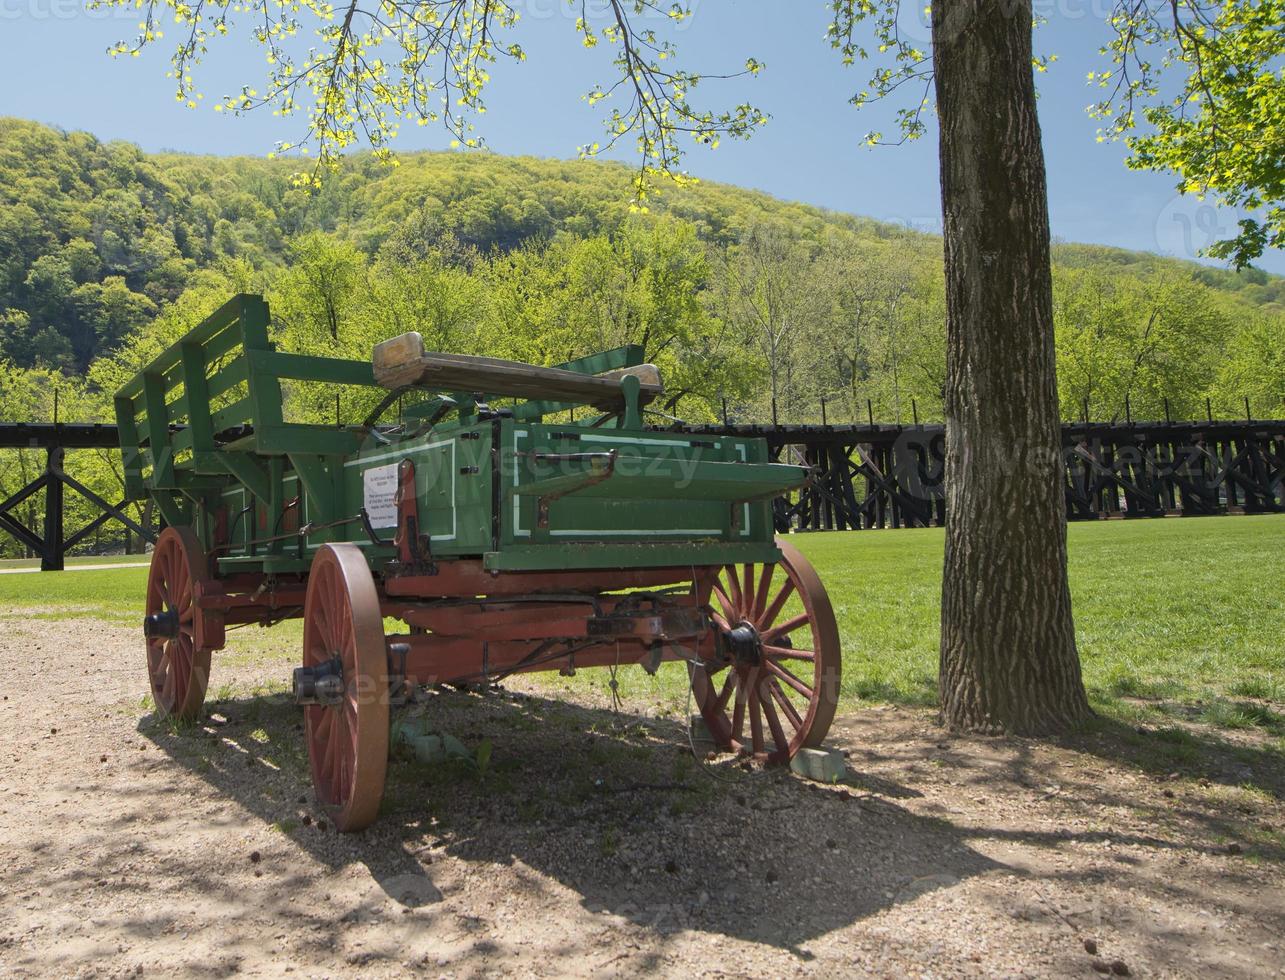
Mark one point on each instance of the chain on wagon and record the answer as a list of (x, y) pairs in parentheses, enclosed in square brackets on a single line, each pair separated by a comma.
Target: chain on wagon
[(504, 542)]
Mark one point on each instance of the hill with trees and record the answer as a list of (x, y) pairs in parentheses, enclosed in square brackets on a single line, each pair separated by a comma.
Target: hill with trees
[(107, 253)]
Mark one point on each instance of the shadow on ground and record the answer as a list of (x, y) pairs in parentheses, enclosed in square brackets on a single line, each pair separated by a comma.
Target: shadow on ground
[(1189, 750), (610, 806)]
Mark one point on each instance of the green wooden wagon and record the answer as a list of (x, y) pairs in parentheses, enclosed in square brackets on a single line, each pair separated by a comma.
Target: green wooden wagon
[(466, 505)]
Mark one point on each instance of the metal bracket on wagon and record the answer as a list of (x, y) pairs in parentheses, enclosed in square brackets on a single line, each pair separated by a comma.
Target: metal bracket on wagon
[(601, 467), (661, 624), (414, 548)]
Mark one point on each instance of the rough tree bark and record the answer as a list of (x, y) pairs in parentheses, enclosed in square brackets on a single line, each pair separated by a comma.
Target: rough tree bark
[(1008, 656)]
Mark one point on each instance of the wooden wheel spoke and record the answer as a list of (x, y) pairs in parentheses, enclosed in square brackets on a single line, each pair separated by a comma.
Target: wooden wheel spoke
[(164, 570), (728, 609), (756, 719), (788, 653), (747, 588), (182, 591), (735, 592), (785, 628), (760, 594), (167, 686), (328, 745), (774, 688), (738, 714), (734, 583), (774, 723), (729, 685), (789, 678), (325, 721), (769, 614), (183, 664), (323, 643)]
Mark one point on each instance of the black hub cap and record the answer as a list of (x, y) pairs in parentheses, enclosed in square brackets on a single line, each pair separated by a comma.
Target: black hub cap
[(320, 684), (161, 625), (743, 644)]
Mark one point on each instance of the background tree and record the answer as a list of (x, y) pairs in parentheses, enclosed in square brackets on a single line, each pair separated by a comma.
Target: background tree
[(770, 285), (508, 291), (1008, 654)]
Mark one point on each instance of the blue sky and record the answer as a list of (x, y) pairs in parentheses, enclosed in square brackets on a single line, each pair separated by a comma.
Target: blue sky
[(53, 69)]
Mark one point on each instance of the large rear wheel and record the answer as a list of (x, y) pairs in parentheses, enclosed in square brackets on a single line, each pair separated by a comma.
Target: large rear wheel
[(343, 643), (776, 688)]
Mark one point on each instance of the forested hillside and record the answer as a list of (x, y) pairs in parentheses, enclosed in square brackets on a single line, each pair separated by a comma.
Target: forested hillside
[(108, 253)]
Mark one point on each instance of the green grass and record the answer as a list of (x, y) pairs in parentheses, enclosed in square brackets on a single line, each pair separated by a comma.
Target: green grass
[(112, 594), (1162, 607), (1179, 617)]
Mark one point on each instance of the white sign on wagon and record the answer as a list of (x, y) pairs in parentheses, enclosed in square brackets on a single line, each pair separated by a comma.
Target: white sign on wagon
[(379, 495)]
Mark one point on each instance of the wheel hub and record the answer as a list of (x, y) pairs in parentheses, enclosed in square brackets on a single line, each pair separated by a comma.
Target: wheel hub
[(322, 683), (162, 625), (744, 645)]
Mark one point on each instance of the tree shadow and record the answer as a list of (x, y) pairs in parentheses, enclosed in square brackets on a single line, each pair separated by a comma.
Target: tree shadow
[(1185, 750), (1181, 791), (611, 806)]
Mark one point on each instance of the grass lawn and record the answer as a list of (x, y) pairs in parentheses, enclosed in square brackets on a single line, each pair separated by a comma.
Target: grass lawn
[(1185, 609), (1173, 616), (112, 594)]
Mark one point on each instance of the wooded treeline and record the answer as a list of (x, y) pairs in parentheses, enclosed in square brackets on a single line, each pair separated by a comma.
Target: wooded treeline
[(107, 254)]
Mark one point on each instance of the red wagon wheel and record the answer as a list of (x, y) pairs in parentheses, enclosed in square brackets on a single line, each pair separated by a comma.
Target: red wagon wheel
[(783, 666), (343, 645), (178, 650)]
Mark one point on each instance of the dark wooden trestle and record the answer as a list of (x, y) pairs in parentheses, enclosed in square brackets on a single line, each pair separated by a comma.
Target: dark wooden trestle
[(890, 476), (55, 438)]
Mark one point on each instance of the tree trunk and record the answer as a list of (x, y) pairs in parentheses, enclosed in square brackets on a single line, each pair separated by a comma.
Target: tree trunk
[(1008, 657)]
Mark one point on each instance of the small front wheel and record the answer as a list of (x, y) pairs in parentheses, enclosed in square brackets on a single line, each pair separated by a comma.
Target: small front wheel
[(180, 635), (347, 728)]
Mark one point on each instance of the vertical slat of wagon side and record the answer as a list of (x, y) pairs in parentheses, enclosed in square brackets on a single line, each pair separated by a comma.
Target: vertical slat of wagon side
[(265, 411), (157, 427)]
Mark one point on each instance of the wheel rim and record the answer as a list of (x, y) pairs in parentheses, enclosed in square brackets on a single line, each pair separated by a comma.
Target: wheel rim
[(178, 670), (778, 694), (348, 741)]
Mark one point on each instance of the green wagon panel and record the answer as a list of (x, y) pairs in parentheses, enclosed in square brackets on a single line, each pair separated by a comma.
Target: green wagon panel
[(452, 487), (669, 498)]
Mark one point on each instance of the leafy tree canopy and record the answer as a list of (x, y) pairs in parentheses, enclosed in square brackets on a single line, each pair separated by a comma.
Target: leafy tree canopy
[(1194, 87)]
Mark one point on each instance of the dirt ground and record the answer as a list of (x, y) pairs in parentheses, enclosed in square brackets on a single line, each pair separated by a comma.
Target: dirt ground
[(595, 846)]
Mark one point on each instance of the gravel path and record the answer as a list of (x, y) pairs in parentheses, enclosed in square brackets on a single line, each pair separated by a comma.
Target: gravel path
[(79, 568), (596, 846)]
